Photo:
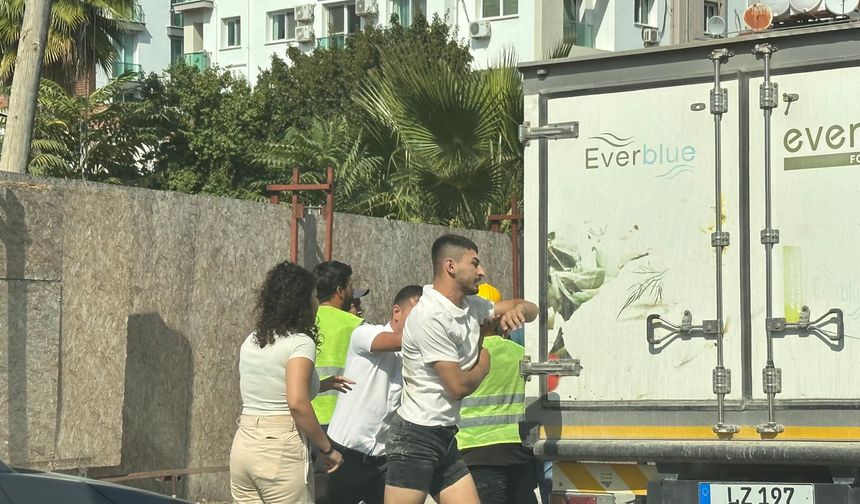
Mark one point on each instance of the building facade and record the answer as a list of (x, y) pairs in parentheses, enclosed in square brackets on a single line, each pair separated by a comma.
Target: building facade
[(153, 40), (242, 35)]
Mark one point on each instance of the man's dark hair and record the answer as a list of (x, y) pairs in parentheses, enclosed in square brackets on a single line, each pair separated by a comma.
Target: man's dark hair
[(331, 275), (407, 293), (443, 246)]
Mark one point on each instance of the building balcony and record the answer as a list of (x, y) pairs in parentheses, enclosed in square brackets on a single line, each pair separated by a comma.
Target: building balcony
[(199, 59), (193, 5), (332, 42), (580, 34), (137, 15), (121, 68), (136, 22)]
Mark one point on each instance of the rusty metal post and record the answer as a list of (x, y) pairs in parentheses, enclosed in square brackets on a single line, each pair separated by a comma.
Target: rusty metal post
[(298, 209), (329, 213), (514, 216)]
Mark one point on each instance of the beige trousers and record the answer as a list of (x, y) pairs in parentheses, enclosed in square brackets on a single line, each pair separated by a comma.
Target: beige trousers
[(269, 462)]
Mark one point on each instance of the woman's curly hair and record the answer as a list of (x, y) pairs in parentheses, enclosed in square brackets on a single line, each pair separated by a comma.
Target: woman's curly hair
[(285, 304)]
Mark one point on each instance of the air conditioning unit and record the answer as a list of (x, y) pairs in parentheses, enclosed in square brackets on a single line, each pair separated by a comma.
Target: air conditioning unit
[(365, 7), (304, 33), (650, 36), (479, 29), (305, 13)]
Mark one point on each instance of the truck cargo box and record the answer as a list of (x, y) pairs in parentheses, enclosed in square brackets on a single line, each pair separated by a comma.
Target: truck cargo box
[(620, 216)]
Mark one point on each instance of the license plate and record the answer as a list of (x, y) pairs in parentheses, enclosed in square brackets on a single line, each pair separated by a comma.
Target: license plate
[(755, 493)]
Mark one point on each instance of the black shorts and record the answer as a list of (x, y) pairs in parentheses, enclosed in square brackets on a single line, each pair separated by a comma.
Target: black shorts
[(423, 458)]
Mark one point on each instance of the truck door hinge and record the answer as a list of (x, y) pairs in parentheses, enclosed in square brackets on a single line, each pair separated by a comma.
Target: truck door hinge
[(528, 133), (562, 367)]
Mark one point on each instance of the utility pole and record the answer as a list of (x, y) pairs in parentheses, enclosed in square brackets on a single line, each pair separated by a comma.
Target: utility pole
[(25, 86)]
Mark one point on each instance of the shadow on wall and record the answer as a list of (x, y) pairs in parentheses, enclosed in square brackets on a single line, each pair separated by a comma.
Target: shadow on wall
[(157, 407), (312, 229), (15, 238)]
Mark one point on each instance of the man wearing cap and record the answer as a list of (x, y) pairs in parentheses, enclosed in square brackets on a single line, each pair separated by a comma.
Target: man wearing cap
[(489, 439), (359, 427), (335, 324)]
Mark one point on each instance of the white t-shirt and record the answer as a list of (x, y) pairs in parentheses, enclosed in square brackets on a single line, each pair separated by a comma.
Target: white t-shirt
[(362, 415), (438, 330), (262, 373)]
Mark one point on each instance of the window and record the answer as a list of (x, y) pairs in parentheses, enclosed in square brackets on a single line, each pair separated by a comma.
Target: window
[(282, 26), (176, 49), (175, 17), (232, 32), (342, 19), (124, 55), (495, 8), (711, 9), (642, 13), (407, 10)]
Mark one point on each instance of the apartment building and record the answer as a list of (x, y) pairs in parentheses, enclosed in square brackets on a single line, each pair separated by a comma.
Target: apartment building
[(154, 39), (242, 35)]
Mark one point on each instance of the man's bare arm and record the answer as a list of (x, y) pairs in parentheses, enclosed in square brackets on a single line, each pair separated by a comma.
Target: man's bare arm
[(459, 383), (513, 313)]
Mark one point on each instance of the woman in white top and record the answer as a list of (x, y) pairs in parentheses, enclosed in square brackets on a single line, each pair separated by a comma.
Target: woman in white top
[(269, 459)]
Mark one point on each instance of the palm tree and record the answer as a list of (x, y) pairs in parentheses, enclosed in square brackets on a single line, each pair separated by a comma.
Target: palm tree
[(82, 34), (451, 136), (364, 186), (99, 137)]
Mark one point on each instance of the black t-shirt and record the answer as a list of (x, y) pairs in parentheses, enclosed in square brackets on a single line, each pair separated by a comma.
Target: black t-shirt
[(498, 455)]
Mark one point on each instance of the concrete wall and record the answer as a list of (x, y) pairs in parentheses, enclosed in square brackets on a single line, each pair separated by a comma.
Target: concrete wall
[(124, 310)]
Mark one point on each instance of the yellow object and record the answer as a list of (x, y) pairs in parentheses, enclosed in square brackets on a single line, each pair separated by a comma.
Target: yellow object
[(792, 432), (626, 481), (335, 330), (492, 413), (489, 293)]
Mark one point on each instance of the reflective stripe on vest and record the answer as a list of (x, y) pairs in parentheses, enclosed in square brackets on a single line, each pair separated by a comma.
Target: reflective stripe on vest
[(335, 330), (491, 415)]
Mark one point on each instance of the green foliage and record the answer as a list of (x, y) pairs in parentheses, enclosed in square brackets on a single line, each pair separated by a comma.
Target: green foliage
[(82, 34), (412, 131), (215, 124), (451, 136), (360, 179), (100, 137), (322, 84)]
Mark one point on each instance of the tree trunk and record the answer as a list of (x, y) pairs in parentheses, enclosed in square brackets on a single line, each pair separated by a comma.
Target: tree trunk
[(25, 86)]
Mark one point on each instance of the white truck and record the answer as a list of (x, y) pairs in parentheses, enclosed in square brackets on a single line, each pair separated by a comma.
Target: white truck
[(692, 216)]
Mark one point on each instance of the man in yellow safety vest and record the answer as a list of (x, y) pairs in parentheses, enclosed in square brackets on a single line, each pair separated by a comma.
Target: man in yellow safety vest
[(335, 324), (489, 437)]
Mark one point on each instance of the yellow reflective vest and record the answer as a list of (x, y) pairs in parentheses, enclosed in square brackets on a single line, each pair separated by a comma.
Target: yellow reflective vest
[(491, 415), (335, 330)]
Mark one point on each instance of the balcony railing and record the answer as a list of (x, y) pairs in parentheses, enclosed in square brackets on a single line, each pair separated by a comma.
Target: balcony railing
[(134, 21), (122, 68), (581, 34), (331, 42), (137, 14), (199, 59)]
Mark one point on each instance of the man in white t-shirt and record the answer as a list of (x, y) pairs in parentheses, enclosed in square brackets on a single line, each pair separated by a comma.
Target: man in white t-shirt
[(443, 362), (359, 426)]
